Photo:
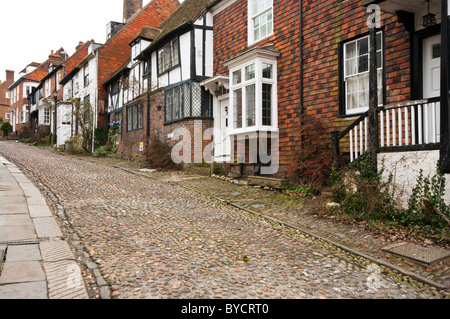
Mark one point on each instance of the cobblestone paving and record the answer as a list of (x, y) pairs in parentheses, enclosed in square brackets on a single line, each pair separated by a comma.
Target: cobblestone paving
[(150, 239)]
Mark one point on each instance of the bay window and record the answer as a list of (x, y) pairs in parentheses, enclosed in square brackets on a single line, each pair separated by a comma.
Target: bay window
[(253, 92)]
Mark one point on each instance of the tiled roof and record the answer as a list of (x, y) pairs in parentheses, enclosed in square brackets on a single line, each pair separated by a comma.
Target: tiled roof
[(116, 51), (188, 12)]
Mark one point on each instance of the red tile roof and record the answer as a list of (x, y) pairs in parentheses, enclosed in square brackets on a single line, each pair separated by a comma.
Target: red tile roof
[(114, 53)]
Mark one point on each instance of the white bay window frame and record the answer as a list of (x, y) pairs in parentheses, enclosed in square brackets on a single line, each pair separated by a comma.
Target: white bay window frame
[(246, 96)]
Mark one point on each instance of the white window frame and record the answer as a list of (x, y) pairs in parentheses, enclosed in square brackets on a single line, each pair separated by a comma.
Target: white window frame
[(8, 95), (259, 13), (258, 58), (135, 50), (358, 74), (46, 116), (6, 116), (48, 90)]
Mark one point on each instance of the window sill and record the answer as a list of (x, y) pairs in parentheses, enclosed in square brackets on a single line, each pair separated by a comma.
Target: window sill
[(251, 43), (136, 130), (169, 69), (188, 118)]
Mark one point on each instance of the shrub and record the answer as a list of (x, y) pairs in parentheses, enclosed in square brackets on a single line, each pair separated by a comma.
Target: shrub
[(6, 128), (362, 193), (426, 206), (312, 161), (158, 155)]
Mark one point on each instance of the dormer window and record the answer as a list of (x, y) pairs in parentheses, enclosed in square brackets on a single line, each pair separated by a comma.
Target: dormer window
[(135, 50)]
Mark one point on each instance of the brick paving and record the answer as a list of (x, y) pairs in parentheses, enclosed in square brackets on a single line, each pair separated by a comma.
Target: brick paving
[(140, 237)]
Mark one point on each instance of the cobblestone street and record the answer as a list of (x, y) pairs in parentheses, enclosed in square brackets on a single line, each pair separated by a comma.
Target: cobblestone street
[(141, 238)]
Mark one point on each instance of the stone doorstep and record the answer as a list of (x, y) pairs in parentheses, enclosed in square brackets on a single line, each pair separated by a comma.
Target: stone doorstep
[(276, 183), (424, 256)]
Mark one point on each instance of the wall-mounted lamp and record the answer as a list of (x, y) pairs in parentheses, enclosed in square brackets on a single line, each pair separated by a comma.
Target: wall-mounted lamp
[(217, 92)]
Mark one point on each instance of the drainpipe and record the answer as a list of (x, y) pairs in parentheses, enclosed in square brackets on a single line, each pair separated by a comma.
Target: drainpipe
[(373, 94), (300, 8)]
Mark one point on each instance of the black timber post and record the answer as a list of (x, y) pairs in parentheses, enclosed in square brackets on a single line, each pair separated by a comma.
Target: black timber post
[(336, 153), (373, 92), (445, 89)]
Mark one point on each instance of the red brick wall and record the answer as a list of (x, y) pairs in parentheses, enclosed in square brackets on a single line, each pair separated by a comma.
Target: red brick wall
[(230, 39), (325, 25)]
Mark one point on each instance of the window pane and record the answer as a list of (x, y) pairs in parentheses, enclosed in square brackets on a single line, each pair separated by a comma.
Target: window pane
[(267, 104), (250, 102), (350, 67), (237, 104), (250, 72), (267, 71), (169, 105), (196, 100), (175, 60), (363, 46), (363, 63), (237, 77), (350, 50), (135, 117), (187, 99), (140, 117), (176, 103)]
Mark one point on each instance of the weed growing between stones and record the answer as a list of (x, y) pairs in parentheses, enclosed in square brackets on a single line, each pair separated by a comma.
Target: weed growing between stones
[(363, 195)]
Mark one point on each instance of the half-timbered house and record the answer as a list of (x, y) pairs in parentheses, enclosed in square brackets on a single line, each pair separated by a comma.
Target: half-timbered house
[(178, 57)]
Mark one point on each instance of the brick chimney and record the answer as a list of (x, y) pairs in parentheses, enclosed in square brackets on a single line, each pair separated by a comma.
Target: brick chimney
[(130, 7), (79, 46), (9, 76)]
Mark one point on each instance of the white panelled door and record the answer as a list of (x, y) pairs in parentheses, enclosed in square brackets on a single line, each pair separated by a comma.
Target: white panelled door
[(432, 86)]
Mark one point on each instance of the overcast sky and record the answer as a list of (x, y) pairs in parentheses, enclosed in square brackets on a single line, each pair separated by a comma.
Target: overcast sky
[(30, 29)]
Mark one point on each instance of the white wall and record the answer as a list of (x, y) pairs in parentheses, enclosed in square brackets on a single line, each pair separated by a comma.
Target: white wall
[(406, 166)]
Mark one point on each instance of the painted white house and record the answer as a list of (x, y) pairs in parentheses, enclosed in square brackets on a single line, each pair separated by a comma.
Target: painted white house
[(81, 85)]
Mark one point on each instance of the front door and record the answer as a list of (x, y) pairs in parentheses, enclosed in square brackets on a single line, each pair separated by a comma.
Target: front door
[(223, 143), (432, 86)]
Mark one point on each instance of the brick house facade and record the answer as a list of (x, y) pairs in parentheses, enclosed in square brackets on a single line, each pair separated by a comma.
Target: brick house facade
[(5, 96), (322, 66), (173, 60), (234, 36), (30, 79)]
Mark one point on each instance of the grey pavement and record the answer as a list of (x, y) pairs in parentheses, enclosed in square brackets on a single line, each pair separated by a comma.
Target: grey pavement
[(36, 263)]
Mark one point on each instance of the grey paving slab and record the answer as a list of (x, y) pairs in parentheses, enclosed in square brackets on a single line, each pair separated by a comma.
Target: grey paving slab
[(20, 178), (17, 233), (46, 227), (12, 200), (29, 290), (18, 272), (36, 200), (23, 253), (29, 190), (15, 220), (39, 211), (17, 208)]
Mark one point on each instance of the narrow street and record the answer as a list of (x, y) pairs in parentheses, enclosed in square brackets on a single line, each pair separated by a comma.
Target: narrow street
[(151, 240)]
